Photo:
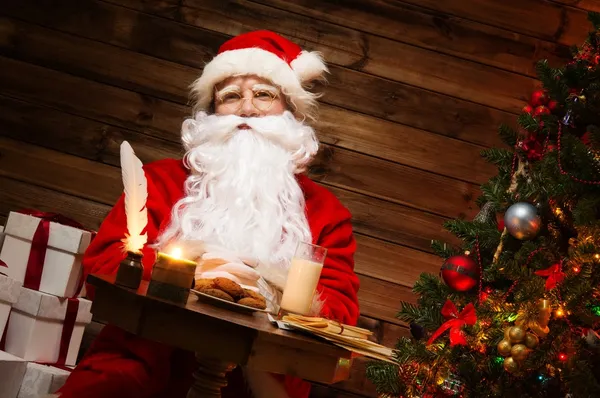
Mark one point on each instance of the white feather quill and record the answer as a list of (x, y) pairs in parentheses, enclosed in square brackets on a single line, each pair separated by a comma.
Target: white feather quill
[(135, 187)]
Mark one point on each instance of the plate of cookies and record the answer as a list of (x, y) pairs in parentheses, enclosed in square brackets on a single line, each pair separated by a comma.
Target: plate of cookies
[(229, 294)]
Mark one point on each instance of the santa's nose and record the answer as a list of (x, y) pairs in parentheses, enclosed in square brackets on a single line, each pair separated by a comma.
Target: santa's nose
[(248, 110)]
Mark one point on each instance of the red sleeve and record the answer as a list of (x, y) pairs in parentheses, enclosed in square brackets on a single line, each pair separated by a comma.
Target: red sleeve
[(119, 364)]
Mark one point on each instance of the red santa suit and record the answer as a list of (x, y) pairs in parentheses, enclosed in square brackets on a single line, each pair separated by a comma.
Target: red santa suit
[(121, 365)]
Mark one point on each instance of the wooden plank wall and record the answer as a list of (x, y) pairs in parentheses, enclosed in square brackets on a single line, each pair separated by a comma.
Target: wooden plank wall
[(417, 88)]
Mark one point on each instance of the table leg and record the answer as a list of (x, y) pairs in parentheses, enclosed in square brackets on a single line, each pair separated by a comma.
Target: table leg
[(209, 378)]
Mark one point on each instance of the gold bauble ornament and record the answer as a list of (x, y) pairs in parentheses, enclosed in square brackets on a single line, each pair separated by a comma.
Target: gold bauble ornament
[(519, 352), (531, 340), (510, 365), (504, 347), (516, 334)]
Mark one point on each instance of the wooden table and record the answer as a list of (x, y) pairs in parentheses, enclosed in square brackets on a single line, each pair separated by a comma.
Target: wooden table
[(221, 338)]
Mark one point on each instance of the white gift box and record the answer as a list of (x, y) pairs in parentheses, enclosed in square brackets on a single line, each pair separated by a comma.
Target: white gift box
[(41, 380), (12, 370), (35, 327), (9, 294), (62, 263)]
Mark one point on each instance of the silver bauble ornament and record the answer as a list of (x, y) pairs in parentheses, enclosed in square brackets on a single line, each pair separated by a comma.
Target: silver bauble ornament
[(522, 221)]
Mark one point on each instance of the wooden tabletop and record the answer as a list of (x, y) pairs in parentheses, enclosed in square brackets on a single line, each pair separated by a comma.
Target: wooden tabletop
[(241, 338)]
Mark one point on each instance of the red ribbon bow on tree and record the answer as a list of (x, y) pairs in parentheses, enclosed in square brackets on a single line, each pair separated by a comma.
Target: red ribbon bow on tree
[(455, 323), (554, 274)]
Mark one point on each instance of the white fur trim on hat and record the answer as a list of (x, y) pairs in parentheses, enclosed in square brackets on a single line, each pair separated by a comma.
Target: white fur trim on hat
[(255, 61), (309, 66)]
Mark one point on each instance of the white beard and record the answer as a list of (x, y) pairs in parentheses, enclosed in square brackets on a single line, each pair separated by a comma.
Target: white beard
[(242, 194)]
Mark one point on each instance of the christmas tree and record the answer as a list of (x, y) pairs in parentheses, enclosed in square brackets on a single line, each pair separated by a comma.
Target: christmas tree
[(516, 309)]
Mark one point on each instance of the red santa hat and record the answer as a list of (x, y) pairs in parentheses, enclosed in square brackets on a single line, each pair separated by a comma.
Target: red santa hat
[(267, 55)]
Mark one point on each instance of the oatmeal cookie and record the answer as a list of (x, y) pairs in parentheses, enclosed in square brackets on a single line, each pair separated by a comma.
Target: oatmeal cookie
[(229, 287), (252, 294), (203, 283), (252, 302), (218, 293)]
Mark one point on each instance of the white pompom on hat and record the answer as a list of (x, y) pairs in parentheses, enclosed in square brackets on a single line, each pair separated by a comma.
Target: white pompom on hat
[(270, 56)]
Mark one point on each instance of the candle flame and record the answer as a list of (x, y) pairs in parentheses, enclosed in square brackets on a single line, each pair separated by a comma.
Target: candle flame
[(176, 252)]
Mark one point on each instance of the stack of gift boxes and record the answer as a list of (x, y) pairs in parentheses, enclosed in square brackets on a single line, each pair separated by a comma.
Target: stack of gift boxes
[(41, 318)]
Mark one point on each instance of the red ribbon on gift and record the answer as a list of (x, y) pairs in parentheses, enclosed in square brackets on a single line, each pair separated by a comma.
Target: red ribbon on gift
[(3, 264), (39, 245), (554, 274), (455, 323), (67, 331), (65, 337)]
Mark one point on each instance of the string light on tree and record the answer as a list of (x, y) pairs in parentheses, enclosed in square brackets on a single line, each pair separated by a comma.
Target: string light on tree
[(562, 357)]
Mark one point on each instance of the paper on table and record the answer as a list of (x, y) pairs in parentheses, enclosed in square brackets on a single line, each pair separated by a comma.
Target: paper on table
[(355, 344), (328, 326)]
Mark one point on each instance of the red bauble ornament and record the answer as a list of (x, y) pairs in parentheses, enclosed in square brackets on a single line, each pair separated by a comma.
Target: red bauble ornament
[(552, 105), (460, 273), (527, 109), (541, 110), (538, 98)]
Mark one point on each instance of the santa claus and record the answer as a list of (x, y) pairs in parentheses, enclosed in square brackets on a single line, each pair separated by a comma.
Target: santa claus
[(239, 194)]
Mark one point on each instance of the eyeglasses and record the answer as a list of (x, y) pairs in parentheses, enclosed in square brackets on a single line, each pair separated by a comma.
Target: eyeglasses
[(262, 100)]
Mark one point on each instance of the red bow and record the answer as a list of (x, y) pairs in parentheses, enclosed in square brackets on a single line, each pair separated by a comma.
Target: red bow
[(554, 274), (39, 245), (3, 264), (455, 323)]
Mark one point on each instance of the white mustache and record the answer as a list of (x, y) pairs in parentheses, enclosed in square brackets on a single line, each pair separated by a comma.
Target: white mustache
[(283, 130), (223, 128)]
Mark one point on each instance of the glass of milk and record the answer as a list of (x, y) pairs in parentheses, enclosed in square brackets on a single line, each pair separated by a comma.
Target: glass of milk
[(302, 279)]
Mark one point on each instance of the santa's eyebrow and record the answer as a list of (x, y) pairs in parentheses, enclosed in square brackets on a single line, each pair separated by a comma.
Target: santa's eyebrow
[(228, 89), (265, 87)]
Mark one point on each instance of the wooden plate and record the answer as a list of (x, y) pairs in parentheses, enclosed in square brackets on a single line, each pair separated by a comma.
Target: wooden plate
[(226, 304)]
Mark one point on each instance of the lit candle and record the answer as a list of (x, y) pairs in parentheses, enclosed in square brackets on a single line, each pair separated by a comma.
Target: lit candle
[(177, 252), (172, 276), (174, 269)]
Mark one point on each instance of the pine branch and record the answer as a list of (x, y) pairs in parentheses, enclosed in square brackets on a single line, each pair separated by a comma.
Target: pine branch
[(502, 158), (528, 122), (384, 376), (594, 135), (408, 351), (508, 135), (586, 210), (581, 380), (594, 18), (427, 317), (551, 81), (442, 249)]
